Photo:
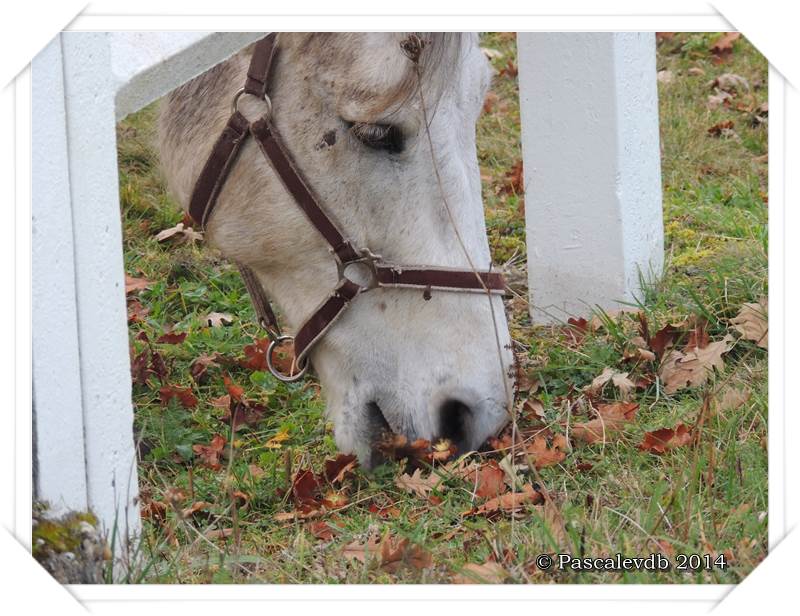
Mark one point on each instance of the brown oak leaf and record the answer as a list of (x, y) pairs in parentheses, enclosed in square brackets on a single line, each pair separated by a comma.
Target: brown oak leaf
[(751, 322), (692, 367), (184, 395), (666, 438), (209, 455), (510, 502), (488, 480), (417, 484), (610, 418)]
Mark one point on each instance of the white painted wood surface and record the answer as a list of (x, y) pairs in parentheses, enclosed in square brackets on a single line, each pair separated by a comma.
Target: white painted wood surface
[(589, 107), (147, 65), (57, 396), (82, 83)]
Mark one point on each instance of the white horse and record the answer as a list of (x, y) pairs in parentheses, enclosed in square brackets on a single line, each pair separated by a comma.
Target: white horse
[(349, 109)]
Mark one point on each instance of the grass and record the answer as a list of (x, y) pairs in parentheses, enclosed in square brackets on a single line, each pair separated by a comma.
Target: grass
[(706, 498)]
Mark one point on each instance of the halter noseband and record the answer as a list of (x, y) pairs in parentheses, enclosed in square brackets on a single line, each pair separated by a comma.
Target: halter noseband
[(381, 274)]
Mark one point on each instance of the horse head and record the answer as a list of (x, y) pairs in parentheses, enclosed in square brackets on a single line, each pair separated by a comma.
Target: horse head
[(382, 127)]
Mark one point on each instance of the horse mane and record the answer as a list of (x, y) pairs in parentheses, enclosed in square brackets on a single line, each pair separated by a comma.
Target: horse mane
[(441, 56)]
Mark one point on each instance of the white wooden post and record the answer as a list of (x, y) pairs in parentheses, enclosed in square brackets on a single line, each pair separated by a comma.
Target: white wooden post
[(589, 108), (82, 83), (57, 397)]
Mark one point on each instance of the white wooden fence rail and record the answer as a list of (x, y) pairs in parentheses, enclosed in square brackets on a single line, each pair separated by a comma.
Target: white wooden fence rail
[(593, 208)]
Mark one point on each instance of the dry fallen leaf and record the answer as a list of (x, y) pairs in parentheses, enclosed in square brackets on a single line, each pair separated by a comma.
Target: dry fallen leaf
[(223, 402), (220, 533), (171, 338), (532, 408), (730, 400), (663, 339), (637, 349), (209, 455), (666, 438), (488, 480), (200, 366), (275, 441), (306, 488), (620, 380), (396, 447), (489, 102), (510, 502), (665, 76), (303, 512), (154, 510), (240, 414), (731, 83), (722, 48), (692, 368), (385, 511), (136, 284), (183, 394), (340, 467), (179, 234), (417, 484), (362, 551), (610, 418), (391, 553), (334, 500), (514, 180), (322, 530), (255, 355), (722, 129), (136, 311), (720, 98), (751, 322), (140, 367), (235, 391), (543, 454), (256, 472), (490, 572), (194, 509), (396, 553)]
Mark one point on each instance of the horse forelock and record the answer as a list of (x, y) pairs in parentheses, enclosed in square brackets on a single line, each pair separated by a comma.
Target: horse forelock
[(397, 77)]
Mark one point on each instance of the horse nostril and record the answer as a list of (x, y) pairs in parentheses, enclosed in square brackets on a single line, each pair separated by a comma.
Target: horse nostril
[(454, 418)]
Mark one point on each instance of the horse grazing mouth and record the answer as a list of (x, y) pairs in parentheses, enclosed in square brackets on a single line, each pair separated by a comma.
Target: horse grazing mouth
[(387, 442)]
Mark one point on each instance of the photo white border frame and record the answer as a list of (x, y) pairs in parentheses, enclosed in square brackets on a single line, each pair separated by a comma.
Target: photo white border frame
[(701, 594)]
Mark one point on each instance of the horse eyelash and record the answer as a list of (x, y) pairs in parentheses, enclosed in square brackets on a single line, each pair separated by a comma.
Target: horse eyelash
[(378, 136)]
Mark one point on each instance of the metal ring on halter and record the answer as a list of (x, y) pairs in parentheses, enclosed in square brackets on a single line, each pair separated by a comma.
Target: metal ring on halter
[(369, 260), (238, 95), (275, 372)]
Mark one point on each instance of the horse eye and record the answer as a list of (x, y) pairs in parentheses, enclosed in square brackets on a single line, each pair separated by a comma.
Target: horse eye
[(385, 137)]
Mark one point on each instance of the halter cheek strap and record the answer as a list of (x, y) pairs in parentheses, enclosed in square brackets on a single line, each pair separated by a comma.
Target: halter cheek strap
[(381, 274)]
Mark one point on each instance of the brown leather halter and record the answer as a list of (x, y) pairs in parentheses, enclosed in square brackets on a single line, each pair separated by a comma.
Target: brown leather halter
[(381, 274)]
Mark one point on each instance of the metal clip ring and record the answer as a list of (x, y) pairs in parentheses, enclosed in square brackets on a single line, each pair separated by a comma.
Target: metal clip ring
[(369, 260), (238, 95), (275, 372)]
